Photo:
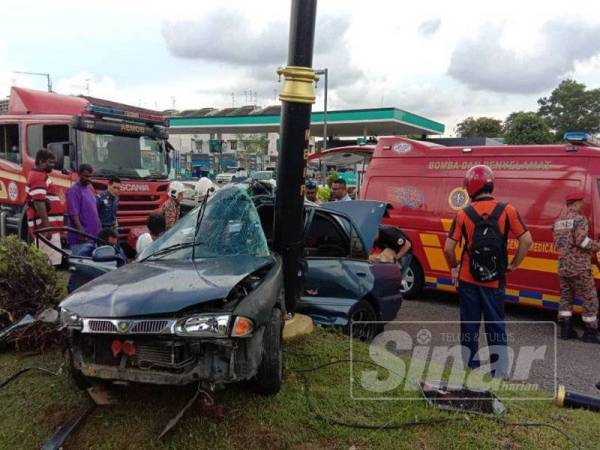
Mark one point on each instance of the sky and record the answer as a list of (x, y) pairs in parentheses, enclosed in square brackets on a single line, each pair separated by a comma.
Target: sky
[(443, 60)]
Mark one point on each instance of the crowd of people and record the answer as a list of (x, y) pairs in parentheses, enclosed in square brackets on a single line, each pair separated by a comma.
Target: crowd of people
[(91, 217)]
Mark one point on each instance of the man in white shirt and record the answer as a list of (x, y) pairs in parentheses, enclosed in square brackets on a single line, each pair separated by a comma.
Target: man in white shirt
[(156, 226), (340, 191)]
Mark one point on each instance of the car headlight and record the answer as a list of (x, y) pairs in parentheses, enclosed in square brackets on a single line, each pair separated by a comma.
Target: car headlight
[(69, 319), (205, 325)]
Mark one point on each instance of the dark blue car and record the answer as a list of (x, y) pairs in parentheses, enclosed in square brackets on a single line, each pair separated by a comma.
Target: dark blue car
[(204, 303)]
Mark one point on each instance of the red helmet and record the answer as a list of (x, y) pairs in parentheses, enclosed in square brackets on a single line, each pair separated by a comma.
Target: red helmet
[(477, 179)]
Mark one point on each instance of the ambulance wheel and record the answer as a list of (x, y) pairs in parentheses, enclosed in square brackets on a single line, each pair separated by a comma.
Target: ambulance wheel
[(412, 284)]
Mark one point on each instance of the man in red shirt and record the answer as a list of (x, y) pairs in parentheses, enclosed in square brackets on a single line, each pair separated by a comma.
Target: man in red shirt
[(44, 205), (481, 275)]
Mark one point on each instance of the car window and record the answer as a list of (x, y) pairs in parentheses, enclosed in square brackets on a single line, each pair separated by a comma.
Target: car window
[(9, 143), (327, 236), (230, 226)]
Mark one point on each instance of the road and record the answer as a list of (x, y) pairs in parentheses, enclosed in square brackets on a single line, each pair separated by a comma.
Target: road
[(578, 363)]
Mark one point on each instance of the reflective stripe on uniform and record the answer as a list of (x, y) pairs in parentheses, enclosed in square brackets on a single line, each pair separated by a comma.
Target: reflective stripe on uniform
[(32, 224), (588, 319), (565, 313), (37, 191), (585, 242)]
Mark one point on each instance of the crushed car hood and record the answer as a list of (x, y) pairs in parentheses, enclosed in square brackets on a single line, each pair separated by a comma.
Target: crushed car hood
[(161, 287)]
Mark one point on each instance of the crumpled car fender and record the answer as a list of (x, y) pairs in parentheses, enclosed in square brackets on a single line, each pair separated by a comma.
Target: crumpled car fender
[(257, 305)]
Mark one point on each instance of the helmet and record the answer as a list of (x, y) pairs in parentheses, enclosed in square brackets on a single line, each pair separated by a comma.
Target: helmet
[(574, 196), (311, 184), (204, 186), (175, 188), (478, 179)]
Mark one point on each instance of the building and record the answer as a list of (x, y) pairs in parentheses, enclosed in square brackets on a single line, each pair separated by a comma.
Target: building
[(252, 134)]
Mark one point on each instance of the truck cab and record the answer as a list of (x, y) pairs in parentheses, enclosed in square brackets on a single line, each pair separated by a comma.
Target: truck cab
[(115, 139)]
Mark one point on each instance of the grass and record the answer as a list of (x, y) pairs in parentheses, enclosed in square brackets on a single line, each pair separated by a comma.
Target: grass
[(33, 406)]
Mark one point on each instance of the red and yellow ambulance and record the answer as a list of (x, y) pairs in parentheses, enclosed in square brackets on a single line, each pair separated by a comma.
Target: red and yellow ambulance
[(424, 183)]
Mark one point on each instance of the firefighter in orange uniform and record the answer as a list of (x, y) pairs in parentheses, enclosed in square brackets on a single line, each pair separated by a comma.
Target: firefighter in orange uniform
[(575, 269)]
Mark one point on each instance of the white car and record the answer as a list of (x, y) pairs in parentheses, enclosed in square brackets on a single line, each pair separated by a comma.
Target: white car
[(267, 176), (224, 178)]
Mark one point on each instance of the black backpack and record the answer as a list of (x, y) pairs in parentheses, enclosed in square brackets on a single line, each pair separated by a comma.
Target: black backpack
[(487, 253)]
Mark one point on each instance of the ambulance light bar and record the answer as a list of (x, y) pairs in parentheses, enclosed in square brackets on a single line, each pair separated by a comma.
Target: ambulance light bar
[(582, 138), (123, 114)]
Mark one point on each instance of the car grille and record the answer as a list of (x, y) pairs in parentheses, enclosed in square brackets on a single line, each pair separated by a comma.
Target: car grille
[(150, 353), (108, 326)]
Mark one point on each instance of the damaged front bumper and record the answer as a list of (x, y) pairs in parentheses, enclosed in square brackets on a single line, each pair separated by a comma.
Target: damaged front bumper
[(167, 360)]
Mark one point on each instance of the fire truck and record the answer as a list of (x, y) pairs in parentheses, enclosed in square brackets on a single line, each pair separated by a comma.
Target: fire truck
[(115, 139)]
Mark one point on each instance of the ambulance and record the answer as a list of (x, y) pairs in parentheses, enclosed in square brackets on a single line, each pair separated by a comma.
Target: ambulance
[(423, 182)]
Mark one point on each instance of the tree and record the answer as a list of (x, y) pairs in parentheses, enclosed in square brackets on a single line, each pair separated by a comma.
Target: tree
[(571, 107), (479, 127), (253, 144), (526, 128)]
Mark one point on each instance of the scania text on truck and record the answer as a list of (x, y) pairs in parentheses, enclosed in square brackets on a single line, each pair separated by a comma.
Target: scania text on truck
[(115, 139)]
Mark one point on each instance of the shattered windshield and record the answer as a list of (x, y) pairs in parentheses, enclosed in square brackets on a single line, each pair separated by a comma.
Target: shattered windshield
[(230, 226)]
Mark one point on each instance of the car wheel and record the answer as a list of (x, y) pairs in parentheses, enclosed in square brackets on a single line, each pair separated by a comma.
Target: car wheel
[(412, 284), (363, 311), (270, 372)]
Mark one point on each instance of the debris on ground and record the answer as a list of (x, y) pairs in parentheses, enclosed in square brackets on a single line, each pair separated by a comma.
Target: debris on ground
[(62, 434), (208, 401), (460, 398), (100, 395), (29, 285)]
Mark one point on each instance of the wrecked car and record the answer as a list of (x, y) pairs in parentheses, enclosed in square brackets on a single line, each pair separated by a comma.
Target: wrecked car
[(340, 288), (203, 303)]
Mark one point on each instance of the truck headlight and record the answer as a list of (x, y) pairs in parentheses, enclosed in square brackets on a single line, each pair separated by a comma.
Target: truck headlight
[(205, 325), (69, 319)]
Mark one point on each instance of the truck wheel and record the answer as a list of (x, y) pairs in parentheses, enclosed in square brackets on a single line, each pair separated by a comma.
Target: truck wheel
[(270, 372), (413, 282), (363, 311)]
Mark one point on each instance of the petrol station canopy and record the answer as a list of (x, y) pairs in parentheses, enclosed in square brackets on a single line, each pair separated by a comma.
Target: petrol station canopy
[(354, 122)]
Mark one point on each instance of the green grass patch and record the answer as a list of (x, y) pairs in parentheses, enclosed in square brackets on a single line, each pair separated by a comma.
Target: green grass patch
[(36, 404)]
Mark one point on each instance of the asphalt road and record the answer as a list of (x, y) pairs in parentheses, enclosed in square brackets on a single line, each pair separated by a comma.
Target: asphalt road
[(577, 363)]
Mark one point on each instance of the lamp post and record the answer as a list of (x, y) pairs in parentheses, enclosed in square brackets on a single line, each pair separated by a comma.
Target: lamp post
[(297, 96), (41, 74), (325, 73)]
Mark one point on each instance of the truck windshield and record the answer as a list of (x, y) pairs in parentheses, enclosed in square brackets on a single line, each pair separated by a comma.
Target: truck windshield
[(125, 156)]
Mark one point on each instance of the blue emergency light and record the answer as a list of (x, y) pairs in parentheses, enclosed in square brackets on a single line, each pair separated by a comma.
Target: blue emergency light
[(582, 138)]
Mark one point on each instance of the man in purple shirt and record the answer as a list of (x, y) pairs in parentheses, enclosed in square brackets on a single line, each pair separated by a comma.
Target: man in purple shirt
[(83, 214)]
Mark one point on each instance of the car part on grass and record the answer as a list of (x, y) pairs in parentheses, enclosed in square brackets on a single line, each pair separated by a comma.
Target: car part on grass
[(27, 369), (208, 401), (28, 319), (460, 398), (576, 400), (100, 395), (62, 434)]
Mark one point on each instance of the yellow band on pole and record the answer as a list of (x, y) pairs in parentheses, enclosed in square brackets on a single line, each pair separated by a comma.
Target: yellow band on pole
[(298, 84)]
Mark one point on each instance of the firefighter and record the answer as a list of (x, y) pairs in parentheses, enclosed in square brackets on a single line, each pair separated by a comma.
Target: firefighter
[(171, 209), (575, 269)]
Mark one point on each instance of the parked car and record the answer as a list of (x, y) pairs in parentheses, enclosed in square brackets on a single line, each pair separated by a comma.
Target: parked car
[(204, 302), (266, 176), (224, 178)]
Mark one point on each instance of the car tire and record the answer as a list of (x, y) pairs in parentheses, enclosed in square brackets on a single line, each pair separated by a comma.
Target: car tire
[(363, 311), (413, 284), (269, 377)]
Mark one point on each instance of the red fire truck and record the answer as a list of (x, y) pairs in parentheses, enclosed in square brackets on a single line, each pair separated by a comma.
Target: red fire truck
[(115, 139)]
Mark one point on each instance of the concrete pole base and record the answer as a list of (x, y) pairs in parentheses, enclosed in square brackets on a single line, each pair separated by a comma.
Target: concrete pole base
[(299, 325)]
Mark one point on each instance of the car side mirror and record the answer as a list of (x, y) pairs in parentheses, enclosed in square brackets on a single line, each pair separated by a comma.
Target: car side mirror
[(104, 253)]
